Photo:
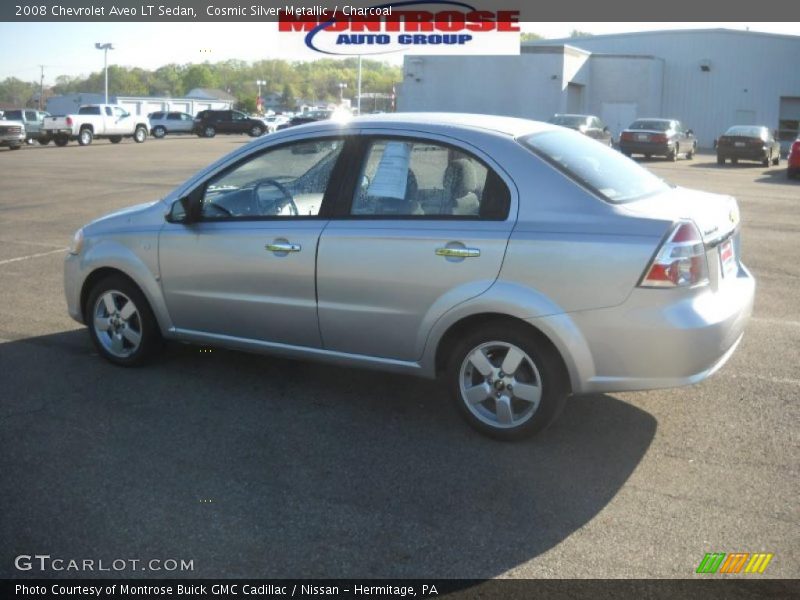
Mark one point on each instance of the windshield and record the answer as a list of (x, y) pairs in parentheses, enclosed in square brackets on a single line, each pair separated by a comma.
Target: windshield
[(651, 125), (13, 115), (595, 166), (571, 121), (747, 131)]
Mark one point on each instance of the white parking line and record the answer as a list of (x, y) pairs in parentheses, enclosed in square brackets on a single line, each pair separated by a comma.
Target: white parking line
[(19, 258), (776, 321), (770, 378)]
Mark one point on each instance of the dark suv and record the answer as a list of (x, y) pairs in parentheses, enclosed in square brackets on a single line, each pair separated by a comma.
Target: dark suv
[(209, 123)]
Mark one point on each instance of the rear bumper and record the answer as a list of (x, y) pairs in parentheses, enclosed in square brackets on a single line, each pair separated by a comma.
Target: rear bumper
[(657, 148), (658, 338), (743, 153)]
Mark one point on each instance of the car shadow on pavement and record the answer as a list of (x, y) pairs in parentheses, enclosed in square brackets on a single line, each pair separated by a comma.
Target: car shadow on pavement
[(262, 467)]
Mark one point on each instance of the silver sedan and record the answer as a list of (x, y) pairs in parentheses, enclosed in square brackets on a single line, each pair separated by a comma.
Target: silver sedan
[(519, 261)]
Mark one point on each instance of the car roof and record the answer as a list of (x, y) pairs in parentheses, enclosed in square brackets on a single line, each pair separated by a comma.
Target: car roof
[(433, 121)]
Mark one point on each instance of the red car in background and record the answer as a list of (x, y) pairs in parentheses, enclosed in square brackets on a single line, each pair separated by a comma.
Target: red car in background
[(794, 160)]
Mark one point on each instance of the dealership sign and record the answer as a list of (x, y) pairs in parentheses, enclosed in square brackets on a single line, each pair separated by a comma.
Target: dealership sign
[(413, 27)]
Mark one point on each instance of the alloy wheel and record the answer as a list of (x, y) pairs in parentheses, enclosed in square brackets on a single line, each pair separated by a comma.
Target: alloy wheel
[(117, 324)]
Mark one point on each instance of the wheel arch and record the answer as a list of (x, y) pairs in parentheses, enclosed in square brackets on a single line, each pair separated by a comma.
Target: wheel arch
[(458, 329)]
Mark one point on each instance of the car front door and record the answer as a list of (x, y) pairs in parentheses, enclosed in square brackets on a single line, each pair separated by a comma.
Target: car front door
[(425, 229), (244, 269)]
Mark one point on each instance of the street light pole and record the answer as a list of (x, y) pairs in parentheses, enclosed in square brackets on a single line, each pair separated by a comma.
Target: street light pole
[(105, 48), (259, 101), (358, 99), (342, 86)]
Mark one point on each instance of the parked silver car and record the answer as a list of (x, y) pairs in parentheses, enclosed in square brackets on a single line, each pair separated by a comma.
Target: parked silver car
[(162, 123), (520, 261)]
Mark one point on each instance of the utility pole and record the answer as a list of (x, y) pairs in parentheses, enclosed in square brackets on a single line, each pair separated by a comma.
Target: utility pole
[(105, 47), (41, 87)]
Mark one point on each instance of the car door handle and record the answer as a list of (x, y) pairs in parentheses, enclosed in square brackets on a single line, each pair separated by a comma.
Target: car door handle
[(458, 252), (283, 247)]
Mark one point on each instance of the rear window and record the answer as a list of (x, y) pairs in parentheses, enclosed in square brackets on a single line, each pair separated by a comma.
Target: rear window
[(571, 121), (650, 125), (747, 131), (89, 110), (597, 167)]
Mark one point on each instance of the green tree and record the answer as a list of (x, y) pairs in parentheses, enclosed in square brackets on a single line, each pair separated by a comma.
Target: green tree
[(530, 37), (16, 91), (199, 76), (577, 33), (288, 98)]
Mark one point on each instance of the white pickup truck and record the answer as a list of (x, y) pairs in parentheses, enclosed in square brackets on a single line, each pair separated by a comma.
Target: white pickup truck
[(96, 121)]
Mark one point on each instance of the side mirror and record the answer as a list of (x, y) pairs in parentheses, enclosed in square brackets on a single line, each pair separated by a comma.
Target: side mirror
[(184, 211)]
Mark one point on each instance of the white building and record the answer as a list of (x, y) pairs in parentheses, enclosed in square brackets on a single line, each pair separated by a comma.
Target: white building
[(710, 79), (137, 105)]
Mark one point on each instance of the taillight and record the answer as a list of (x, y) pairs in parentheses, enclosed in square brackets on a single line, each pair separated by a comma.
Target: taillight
[(69, 121), (681, 260), (659, 138), (626, 136)]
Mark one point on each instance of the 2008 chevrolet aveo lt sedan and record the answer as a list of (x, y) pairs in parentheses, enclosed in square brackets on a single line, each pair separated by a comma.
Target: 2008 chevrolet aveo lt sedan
[(522, 262)]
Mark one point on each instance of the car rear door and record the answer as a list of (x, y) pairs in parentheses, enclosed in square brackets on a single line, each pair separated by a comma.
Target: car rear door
[(246, 269), (425, 229)]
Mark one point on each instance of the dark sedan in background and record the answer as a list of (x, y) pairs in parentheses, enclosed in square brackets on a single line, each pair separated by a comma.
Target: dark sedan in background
[(307, 117), (748, 142), (588, 125), (658, 137)]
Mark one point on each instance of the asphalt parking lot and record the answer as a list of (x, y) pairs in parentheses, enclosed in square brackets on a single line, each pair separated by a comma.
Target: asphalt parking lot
[(255, 466)]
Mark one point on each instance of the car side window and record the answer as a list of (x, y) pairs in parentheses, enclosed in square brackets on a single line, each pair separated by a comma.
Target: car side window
[(420, 179), (119, 113), (173, 116), (108, 111), (287, 181), (30, 115)]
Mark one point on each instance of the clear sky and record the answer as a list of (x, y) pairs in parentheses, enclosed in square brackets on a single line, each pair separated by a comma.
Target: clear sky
[(68, 48)]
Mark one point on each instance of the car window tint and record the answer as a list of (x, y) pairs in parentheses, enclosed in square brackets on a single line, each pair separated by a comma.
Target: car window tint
[(422, 179), (288, 181), (603, 170), (30, 115)]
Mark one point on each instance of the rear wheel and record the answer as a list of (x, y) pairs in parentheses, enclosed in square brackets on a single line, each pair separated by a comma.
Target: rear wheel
[(159, 131), (776, 160), (44, 140), (766, 162), (61, 140), (121, 323), (209, 131), (507, 383), (256, 131), (140, 134), (85, 137), (690, 153), (673, 155)]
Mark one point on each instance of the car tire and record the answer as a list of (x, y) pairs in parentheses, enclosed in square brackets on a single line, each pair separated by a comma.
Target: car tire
[(121, 323), (43, 141), (721, 160), (85, 137), (767, 161), (792, 173), (776, 161), (159, 131), (209, 131), (115, 139), (648, 156), (690, 153), (673, 156), (256, 131), (492, 401), (734, 161), (15, 147), (61, 140), (140, 134)]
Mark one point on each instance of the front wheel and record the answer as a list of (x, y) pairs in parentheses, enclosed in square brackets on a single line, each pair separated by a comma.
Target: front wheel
[(209, 132), (507, 383), (673, 155), (121, 323), (690, 153), (140, 135)]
